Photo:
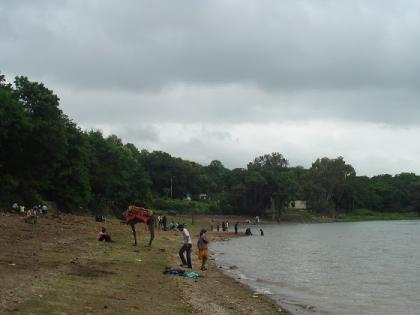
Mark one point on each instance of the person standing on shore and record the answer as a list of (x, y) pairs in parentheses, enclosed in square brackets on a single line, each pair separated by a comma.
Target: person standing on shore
[(236, 227), (164, 222), (203, 253), (159, 220), (227, 226), (186, 247)]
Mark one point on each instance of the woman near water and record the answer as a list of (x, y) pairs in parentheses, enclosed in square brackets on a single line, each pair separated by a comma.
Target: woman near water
[(203, 253)]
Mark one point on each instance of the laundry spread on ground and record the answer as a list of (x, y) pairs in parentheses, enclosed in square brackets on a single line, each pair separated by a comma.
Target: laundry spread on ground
[(181, 273)]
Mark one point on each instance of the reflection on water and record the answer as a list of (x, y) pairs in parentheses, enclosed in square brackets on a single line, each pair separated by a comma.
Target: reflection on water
[(337, 268)]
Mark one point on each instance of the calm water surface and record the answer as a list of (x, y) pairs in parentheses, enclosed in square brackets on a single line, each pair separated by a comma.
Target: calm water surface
[(337, 268)]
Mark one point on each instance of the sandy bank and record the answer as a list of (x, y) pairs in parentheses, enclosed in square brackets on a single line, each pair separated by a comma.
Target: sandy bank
[(57, 267)]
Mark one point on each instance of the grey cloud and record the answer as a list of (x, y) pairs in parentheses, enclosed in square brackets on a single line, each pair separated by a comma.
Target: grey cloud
[(370, 148), (220, 61), (215, 73), (141, 133), (274, 44), (224, 104)]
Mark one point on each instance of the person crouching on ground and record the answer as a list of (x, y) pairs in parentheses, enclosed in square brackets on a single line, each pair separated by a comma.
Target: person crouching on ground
[(104, 236), (31, 216), (186, 247), (203, 253)]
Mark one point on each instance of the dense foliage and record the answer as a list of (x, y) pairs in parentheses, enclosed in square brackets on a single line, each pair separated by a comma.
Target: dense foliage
[(46, 156)]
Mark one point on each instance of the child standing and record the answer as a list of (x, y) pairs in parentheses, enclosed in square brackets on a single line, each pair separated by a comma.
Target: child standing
[(203, 252)]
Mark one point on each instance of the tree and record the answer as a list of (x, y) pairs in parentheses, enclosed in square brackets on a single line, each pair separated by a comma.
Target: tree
[(15, 128), (45, 146), (116, 175), (216, 175), (326, 183), (273, 167), (71, 189), (187, 177), (269, 162)]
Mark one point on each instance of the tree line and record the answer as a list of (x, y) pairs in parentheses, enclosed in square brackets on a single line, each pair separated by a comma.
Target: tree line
[(44, 155)]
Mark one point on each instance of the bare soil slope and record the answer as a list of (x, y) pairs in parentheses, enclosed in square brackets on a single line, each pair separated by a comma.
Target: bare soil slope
[(57, 267)]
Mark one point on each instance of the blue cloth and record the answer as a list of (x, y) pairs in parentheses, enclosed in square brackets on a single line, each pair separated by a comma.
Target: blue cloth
[(181, 273), (192, 275)]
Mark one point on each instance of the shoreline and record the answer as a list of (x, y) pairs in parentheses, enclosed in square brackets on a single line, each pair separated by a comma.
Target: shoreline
[(220, 292), (225, 270), (60, 261), (251, 275)]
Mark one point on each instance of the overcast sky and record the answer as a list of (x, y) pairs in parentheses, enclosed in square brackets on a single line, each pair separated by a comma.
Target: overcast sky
[(231, 80)]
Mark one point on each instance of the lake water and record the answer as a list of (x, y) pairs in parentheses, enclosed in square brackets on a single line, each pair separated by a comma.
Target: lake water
[(336, 268)]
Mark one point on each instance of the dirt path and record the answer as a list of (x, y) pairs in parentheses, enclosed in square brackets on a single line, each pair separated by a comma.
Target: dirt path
[(57, 267)]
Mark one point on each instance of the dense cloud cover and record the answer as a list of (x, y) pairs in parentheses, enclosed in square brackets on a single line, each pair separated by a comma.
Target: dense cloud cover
[(230, 80)]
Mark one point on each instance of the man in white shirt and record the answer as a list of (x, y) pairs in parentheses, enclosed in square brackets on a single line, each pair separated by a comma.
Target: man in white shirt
[(186, 247), (159, 221)]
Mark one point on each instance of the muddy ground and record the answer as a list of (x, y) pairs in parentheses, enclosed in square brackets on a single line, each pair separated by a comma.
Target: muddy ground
[(57, 267)]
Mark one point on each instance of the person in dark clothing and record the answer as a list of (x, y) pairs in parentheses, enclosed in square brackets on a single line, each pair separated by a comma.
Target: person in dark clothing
[(218, 227), (236, 228), (164, 222), (104, 236), (262, 232), (223, 226), (248, 231)]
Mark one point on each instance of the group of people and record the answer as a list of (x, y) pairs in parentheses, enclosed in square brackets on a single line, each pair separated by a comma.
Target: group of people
[(37, 209), (225, 226), (187, 245), (186, 249), (202, 244), (162, 223), (31, 214), (248, 232)]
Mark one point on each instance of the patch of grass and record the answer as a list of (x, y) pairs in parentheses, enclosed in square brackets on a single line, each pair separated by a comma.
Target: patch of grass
[(306, 216), (108, 278), (177, 206), (302, 216), (369, 215)]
